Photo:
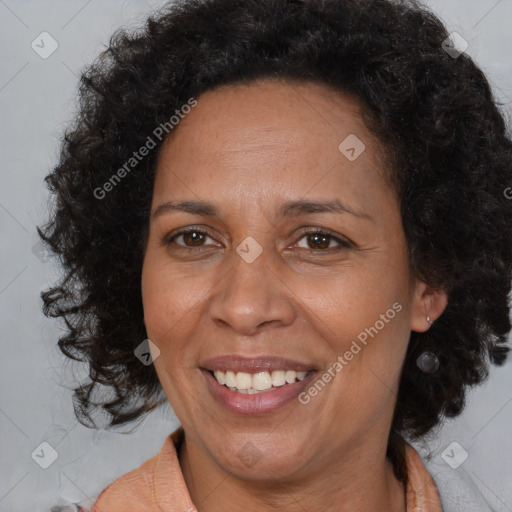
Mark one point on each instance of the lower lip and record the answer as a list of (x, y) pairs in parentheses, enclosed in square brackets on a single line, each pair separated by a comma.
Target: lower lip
[(258, 403)]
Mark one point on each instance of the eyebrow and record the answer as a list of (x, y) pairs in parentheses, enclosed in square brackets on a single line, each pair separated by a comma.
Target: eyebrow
[(287, 209)]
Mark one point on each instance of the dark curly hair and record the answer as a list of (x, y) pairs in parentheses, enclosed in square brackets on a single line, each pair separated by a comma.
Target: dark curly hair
[(450, 161)]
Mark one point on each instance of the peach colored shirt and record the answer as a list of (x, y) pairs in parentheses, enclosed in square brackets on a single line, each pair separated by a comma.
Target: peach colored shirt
[(158, 485)]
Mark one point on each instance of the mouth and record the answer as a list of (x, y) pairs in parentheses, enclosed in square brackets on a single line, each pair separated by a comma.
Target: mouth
[(256, 386), (259, 382)]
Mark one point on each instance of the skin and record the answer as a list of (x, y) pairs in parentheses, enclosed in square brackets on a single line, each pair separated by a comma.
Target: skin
[(248, 149)]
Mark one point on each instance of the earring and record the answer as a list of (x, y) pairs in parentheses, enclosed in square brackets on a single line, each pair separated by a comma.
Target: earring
[(428, 362)]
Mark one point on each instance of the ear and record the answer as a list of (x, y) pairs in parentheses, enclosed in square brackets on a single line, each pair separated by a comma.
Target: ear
[(427, 302)]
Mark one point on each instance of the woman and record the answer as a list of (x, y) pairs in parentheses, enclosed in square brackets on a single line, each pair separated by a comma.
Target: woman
[(289, 220)]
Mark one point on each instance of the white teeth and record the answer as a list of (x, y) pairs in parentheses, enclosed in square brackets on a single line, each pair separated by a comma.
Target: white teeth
[(243, 381), (278, 378), (290, 376), (220, 376), (230, 379), (248, 383), (261, 381)]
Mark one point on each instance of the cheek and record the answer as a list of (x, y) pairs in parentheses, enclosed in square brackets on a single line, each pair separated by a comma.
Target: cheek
[(157, 304), (167, 297), (168, 322), (367, 321), (360, 302)]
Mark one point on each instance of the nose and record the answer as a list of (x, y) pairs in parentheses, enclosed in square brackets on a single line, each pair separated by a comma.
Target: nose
[(252, 297)]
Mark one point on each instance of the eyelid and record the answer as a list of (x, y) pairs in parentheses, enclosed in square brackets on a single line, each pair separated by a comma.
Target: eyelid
[(343, 242), (183, 231)]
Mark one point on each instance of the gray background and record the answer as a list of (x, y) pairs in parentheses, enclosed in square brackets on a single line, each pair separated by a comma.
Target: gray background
[(37, 99)]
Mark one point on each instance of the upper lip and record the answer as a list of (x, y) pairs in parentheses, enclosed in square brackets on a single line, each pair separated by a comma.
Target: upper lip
[(238, 363)]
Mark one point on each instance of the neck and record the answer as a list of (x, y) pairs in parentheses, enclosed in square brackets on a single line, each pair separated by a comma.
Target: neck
[(357, 484)]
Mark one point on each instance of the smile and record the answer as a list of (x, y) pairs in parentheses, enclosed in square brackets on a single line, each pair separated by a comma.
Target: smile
[(260, 382), (255, 402)]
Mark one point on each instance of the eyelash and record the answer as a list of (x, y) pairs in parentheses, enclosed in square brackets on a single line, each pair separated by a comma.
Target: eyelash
[(343, 244)]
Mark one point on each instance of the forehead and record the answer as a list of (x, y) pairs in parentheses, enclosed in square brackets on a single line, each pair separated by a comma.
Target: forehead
[(271, 138)]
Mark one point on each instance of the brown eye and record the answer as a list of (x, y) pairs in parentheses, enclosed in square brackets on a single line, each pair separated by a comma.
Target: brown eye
[(191, 238), (321, 240), (318, 241)]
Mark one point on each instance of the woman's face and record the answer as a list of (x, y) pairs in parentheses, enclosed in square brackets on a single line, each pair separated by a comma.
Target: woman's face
[(260, 285)]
